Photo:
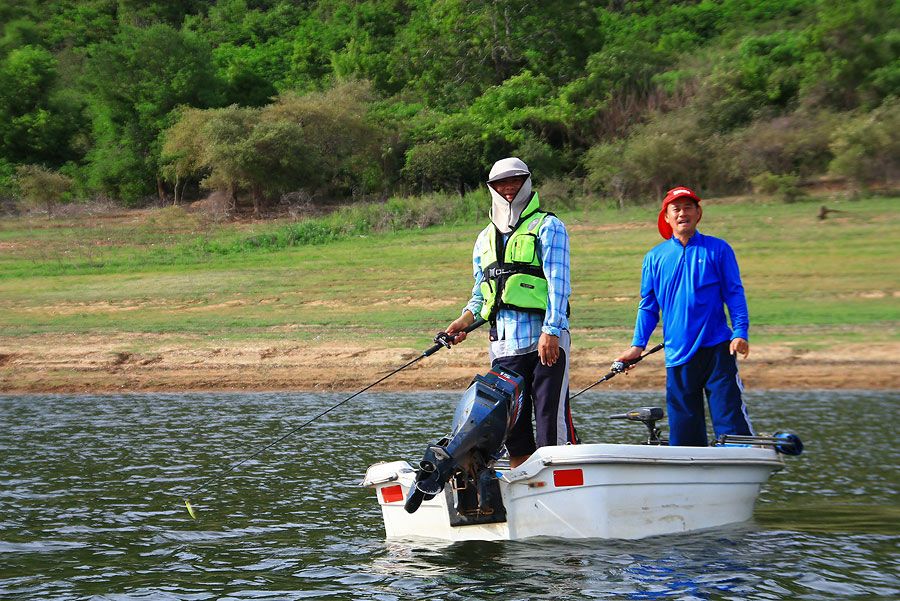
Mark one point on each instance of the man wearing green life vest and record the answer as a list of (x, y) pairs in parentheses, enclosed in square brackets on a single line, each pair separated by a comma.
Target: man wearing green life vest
[(521, 268)]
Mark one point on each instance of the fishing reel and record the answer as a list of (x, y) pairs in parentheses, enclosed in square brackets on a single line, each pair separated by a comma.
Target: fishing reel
[(647, 416), (446, 340), (443, 338), (618, 367)]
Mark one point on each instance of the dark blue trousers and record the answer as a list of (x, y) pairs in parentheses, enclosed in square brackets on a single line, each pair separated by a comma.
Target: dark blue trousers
[(547, 398), (712, 370)]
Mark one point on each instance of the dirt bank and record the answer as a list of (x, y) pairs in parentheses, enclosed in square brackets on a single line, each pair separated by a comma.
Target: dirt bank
[(97, 364)]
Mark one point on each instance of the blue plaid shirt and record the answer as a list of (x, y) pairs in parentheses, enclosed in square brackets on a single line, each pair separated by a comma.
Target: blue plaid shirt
[(518, 332)]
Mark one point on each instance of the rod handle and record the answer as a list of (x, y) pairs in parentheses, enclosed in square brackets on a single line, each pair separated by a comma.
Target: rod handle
[(442, 339)]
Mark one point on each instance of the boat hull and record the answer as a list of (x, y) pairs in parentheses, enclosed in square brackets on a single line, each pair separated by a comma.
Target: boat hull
[(592, 491)]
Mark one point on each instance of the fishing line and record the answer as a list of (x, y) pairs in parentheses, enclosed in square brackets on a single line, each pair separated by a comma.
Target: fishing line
[(441, 340), (617, 368)]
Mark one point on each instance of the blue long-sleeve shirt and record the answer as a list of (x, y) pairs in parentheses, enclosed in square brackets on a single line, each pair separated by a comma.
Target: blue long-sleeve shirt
[(691, 285)]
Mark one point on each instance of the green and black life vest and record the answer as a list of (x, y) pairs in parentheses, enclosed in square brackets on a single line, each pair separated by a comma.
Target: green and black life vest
[(518, 278)]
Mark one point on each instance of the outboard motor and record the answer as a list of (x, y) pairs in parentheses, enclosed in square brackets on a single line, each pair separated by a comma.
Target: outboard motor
[(483, 419)]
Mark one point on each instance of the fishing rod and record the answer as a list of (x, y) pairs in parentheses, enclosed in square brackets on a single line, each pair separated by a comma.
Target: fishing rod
[(617, 368), (442, 340)]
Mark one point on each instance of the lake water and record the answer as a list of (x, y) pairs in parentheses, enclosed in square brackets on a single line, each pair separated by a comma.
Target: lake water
[(92, 487)]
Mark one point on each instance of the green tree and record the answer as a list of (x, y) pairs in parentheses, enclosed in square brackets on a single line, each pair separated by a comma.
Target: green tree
[(143, 14), (183, 149), (618, 88), (92, 84), (18, 33), (251, 38), (349, 40), (80, 24), (321, 139), (796, 144), (858, 46), (444, 165), (135, 81), (452, 152), (451, 51), (762, 77), (340, 143), (36, 125), (229, 155), (41, 186), (245, 87)]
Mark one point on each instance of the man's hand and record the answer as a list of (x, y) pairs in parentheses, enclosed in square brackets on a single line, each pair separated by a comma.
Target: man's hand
[(630, 355), (740, 345), (548, 349), (455, 329)]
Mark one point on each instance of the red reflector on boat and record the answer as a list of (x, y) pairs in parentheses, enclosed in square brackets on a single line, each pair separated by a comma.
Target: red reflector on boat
[(392, 494), (568, 477)]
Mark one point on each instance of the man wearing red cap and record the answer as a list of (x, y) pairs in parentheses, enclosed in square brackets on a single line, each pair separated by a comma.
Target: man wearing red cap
[(691, 278)]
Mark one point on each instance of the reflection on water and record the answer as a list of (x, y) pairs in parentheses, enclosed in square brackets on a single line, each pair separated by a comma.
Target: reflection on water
[(91, 506)]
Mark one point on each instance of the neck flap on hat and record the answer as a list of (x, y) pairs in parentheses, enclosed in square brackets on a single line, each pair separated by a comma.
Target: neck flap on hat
[(505, 214)]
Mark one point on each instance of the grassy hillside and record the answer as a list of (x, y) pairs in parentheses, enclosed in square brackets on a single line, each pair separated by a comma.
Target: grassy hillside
[(809, 281)]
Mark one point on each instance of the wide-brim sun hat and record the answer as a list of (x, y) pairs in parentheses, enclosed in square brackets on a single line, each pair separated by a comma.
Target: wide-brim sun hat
[(509, 167), (665, 230)]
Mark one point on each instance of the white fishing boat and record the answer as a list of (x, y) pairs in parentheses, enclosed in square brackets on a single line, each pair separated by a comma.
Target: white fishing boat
[(588, 491), (462, 491)]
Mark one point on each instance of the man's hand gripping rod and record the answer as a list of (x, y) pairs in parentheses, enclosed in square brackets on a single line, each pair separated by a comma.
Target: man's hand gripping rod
[(443, 339), (617, 368)]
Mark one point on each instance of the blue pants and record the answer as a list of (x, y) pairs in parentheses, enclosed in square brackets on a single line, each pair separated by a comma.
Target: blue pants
[(547, 397), (712, 370)]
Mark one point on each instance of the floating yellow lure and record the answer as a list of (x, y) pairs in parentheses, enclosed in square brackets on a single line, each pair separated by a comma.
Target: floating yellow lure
[(189, 508)]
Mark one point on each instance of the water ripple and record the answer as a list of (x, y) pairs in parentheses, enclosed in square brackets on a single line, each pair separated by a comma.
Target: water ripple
[(92, 506)]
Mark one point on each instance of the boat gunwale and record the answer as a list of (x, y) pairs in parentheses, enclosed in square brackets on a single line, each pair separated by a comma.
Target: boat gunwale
[(611, 459), (527, 476), (628, 454)]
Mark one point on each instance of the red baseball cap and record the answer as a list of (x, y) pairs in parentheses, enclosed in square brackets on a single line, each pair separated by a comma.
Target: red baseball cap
[(665, 230)]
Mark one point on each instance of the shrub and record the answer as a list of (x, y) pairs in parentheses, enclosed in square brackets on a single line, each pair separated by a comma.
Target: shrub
[(795, 144), (560, 193), (8, 185), (668, 151), (542, 159), (445, 165), (41, 186), (605, 171), (867, 149), (761, 76), (321, 140), (784, 186), (172, 219)]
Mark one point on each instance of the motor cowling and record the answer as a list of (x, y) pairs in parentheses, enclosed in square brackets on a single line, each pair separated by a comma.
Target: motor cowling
[(483, 419)]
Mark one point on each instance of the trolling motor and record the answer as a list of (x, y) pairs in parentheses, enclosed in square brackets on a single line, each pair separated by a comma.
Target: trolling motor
[(647, 416), (483, 419), (785, 443)]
